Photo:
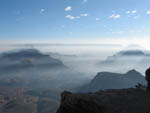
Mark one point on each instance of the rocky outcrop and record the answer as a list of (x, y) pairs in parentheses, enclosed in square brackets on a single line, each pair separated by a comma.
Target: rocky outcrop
[(110, 101)]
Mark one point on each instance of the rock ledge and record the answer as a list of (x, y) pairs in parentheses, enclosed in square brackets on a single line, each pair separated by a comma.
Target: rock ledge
[(109, 101)]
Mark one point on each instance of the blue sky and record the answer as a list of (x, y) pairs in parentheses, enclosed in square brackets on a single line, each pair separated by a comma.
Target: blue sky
[(74, 19)]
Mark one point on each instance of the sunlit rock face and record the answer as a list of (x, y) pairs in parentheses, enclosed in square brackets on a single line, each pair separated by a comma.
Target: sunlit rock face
[(110, 101)]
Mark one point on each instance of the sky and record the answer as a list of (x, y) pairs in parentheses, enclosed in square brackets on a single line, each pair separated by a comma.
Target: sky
[(75, 20)]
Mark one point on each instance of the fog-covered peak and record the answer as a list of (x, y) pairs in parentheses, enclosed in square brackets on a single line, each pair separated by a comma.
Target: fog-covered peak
[(131, 53), (134, 47), (23, 53), (29, 58)]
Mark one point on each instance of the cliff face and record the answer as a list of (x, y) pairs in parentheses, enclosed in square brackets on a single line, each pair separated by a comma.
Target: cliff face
[(110, 101)]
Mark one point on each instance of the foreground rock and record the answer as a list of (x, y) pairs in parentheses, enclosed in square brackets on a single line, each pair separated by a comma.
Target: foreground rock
[(110, 101)]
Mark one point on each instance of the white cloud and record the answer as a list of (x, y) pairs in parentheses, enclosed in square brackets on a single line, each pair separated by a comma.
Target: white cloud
[(42, 11), (72, 17), (69, 8), (128, 12), (148, 12), (84, 1), (131, 12), (115, 16), (85, 14), (134, 11), (76, 17), (97, 19)]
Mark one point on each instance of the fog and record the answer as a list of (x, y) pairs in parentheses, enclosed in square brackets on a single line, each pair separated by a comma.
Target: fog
[(80, 57), (45, 70), (86, 58)]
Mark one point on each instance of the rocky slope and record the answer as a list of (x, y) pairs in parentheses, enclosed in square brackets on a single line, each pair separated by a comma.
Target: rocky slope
[(108, 80), (110, 101)]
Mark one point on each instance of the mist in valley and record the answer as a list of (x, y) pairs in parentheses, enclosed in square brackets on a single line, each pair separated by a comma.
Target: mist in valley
[(87, 59), (45, 70), (81, 58)]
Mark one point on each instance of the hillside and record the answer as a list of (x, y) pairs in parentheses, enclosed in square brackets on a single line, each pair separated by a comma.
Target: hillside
[(108, 80), (110, 101)]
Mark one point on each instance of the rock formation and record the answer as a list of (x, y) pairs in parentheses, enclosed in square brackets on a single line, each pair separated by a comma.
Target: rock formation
[(109, 101)]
